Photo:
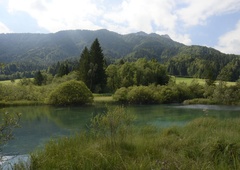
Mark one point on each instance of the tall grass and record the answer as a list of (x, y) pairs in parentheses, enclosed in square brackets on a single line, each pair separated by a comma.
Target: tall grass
[(205, 143)]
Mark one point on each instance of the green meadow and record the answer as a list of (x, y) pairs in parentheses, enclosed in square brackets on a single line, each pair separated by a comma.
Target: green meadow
[(188, 81)]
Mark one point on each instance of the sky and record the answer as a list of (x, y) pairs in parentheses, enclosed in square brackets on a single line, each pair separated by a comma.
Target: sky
[(211, 23)]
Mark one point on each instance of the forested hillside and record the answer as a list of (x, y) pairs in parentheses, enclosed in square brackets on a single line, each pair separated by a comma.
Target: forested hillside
[(50, 48), (31, 52)]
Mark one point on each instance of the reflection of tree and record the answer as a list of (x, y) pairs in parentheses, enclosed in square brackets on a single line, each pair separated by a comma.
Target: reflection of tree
[(7, 125), (75, 117), (31, 113)]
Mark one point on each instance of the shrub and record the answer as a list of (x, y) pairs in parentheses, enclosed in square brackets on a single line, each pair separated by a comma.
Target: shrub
[(141, 95), (71, 93), (196, 90), (114, 125), (166, 94), (121, 94)]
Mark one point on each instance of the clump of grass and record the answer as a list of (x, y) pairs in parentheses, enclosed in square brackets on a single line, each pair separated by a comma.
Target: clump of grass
[(204, 143), (199, 101)]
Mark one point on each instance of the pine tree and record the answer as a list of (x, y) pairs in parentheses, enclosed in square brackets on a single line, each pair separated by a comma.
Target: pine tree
[(97, 59), (84, 67), (92, 68), (63, 70), (38, 79)]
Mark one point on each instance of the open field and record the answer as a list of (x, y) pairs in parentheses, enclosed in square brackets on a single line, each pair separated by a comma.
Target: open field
[(200, 81), (9, 81), (103, 98)]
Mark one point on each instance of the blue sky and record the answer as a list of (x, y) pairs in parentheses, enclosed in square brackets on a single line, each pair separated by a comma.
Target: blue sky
[(212, 23)]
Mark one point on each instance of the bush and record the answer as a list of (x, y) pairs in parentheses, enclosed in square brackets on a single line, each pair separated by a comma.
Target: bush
[(12, 92), (115, 125), (141, 95), (121, 94), (71, 93), (167, 94)]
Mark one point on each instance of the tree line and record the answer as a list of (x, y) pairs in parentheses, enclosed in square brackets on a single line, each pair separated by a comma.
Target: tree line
[(214, 66)]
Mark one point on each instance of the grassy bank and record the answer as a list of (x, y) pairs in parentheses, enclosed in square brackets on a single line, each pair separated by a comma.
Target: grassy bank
[(205, 143), (20, 103), (103, 98)]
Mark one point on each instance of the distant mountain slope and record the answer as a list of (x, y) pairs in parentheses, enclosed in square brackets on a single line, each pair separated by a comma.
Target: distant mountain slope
[(49, 48)]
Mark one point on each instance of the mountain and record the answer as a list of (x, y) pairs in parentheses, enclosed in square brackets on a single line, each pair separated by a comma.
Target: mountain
[(49, 48)]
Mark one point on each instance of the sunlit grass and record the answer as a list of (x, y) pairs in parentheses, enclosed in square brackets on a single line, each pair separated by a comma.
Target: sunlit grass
[(6, 82), (188, 81), (103, 98)]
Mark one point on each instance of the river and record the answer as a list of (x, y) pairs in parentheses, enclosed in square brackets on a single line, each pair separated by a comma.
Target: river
[(39, 124)]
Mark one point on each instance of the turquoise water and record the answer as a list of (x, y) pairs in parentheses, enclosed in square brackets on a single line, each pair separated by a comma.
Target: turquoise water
[(39, 124)]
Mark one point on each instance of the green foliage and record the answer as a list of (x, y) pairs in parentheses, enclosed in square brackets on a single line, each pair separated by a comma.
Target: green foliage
[(141, 95), (12, 92), (231, 71), (192, 93), (202, 62), (171, 93), (25, 81), (25, 92), (167, 94), (71, 93), (121, 94), (196, 90), (84, 67), (63, 69), (113, 77), (141, 72), (38, 79)]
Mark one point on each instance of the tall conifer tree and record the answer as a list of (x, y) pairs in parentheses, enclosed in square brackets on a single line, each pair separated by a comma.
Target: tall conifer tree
[(92, 67), (97, 59)]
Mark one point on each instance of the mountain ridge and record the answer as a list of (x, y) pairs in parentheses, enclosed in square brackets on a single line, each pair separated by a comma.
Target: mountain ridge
[(45, 49)]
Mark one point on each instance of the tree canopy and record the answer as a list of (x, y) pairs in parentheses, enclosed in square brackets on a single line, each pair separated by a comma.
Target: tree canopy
[(141, 72)]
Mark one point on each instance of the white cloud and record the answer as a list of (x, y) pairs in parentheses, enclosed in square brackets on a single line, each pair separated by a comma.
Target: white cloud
[(230, 42), (141, 15), (55, 15), (4, 28), (196, 12)]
